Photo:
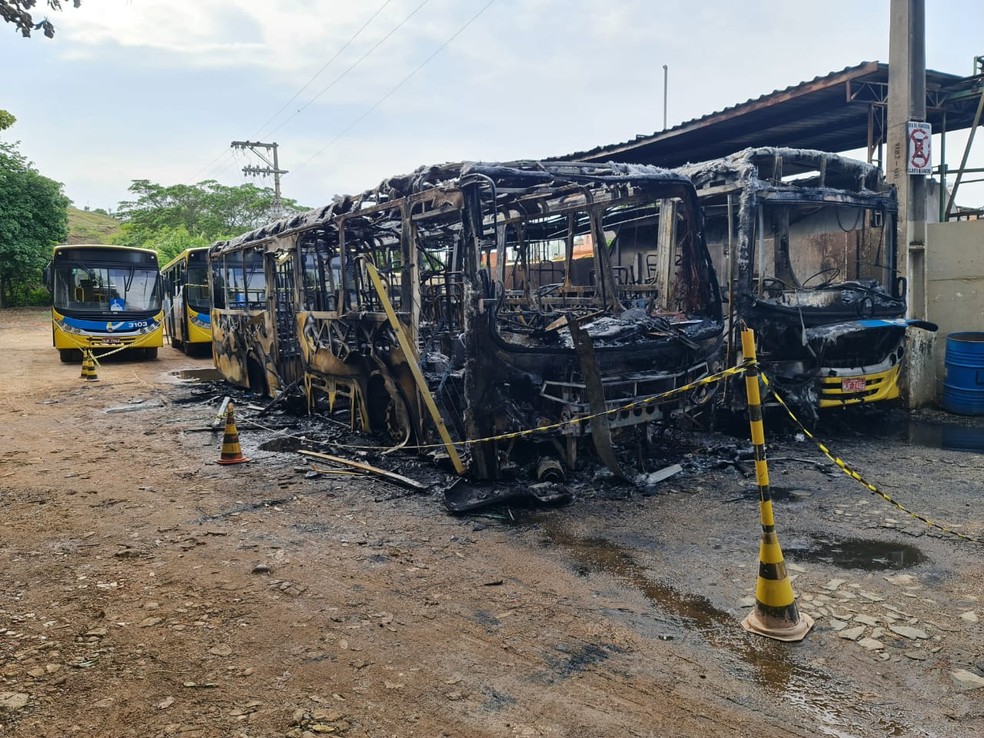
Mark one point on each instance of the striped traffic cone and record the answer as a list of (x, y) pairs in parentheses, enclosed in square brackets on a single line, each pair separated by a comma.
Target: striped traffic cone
[(775, 614), (231, 452), (89, 366)]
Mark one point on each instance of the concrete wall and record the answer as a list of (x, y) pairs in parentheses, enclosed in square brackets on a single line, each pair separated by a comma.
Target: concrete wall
[(955, 283)]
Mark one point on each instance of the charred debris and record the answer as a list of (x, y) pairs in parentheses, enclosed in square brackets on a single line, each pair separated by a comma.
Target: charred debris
[(496, 318), (514, 321), (280, 435)]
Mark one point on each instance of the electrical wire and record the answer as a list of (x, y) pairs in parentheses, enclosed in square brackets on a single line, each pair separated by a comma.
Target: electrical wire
[(395, 88), (353, 66), (227, 152), (338, 53)]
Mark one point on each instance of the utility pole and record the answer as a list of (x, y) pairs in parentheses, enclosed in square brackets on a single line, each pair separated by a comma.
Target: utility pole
[(666, 76), (907, 142), (272, 167), (907, 102)]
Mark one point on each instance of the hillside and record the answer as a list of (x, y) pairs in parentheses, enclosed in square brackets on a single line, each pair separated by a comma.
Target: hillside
[(87, 226)]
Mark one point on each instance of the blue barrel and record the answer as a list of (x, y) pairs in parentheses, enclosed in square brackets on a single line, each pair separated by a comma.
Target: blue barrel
[(963, 388)]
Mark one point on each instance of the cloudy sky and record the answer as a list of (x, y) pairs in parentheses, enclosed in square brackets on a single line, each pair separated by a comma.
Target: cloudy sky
[(356, 91)]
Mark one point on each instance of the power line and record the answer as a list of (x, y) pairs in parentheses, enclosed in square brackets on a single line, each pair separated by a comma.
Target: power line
[(357, 63), (226, 152), (325, 66), (395, 88), (272, 167)]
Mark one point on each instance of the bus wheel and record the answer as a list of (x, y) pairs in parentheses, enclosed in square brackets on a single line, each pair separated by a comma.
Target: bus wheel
[(388, 411), (69, 356), (150, 353), (182, 342)]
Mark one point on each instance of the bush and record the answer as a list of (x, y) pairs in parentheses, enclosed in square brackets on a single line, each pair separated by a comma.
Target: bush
[(24, 294)]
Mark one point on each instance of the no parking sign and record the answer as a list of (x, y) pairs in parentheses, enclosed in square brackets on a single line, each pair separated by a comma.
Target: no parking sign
[(920, 159)]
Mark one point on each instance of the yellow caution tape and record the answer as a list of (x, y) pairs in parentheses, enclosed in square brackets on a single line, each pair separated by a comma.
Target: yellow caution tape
[(702, 382), (136, 343), (856, 476)]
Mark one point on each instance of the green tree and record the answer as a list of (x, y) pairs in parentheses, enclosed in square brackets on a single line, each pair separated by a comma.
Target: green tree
[(197, 214), (33, 217), (18, 12), (169, 242)]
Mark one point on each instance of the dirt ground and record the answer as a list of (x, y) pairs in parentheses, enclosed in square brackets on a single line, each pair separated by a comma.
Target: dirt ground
[(149, 591)]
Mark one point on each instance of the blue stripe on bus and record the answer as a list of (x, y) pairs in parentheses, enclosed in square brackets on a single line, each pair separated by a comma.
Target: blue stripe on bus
[(99, 326), (898, 322)]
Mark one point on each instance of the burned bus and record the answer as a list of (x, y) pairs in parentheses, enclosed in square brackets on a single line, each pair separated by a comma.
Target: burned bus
[(804, 243), (501, 316)]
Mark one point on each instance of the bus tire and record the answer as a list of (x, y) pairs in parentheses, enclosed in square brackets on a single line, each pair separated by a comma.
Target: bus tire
[(150, 353), (183, 342), (69, 356)]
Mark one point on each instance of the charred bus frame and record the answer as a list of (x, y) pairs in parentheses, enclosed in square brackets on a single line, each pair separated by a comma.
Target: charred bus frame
[(475, 301), (806, 243)]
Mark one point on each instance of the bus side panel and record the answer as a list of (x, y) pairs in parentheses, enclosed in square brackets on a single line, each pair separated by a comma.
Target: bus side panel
[(199, 326), (171, 321), (243, 350), (228, 350)]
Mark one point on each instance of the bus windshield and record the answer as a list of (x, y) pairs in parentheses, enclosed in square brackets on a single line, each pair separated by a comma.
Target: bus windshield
[(101, 288)]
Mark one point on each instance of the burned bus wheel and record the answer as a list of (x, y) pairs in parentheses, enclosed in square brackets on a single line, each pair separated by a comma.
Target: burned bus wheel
[(388, 412)]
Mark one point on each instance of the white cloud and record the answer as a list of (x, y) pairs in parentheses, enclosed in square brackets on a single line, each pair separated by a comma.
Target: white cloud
[(157, 89)]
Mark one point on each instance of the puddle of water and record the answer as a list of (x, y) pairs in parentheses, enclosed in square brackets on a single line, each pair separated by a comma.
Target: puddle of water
[(199, 375), (859, 554), (772, 663), (777, 494), (946, 435), (916, 431)]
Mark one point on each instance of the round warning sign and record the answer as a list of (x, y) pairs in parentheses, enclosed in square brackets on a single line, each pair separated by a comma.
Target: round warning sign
[(920, 148)]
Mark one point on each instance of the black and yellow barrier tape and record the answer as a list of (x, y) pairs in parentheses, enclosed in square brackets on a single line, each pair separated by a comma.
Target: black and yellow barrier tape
[(702, 382), (856, 476), (136, 343)]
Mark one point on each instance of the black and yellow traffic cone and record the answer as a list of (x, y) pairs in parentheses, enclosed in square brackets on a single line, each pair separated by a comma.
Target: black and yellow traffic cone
[(89, 366), (775, 614), (231, 452)]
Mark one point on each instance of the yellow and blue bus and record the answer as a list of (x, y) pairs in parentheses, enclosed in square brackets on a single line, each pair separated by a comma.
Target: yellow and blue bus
[(187, 303), (105, 298)]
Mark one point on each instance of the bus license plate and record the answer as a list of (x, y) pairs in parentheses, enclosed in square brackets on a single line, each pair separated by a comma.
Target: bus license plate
[(853, 384)]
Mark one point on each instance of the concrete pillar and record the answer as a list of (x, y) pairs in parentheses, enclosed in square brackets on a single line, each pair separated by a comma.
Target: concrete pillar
[(907, 101)]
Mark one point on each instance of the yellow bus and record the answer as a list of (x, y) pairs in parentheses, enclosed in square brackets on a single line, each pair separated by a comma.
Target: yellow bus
[(105, 298), (187, 305)]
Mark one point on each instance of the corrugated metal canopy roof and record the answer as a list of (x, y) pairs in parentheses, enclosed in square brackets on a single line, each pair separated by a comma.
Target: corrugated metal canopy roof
[(828, 113)]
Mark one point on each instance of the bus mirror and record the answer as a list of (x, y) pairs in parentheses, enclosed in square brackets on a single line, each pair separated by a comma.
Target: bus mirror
[(901, 287)]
